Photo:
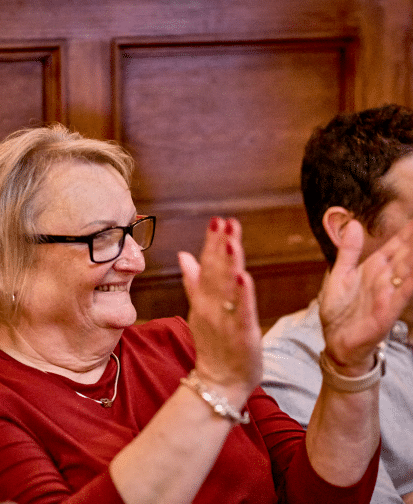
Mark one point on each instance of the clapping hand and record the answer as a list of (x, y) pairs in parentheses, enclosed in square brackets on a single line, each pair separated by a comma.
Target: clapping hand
[(223, 316), (359, 303)]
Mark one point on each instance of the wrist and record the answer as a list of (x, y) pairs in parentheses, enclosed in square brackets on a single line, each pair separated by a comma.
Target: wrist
[(354, 382), (233, 387), (353, 369), (220, 404)]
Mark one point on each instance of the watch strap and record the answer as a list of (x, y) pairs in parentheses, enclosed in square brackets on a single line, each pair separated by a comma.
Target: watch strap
[(352, 384)]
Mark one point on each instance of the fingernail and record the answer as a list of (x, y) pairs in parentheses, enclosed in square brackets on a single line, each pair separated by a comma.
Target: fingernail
[(213, 224), (240, 280), (230, 250), (229, 228)]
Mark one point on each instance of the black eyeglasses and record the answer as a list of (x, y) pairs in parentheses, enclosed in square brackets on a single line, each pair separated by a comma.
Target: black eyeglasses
[(107, 245)]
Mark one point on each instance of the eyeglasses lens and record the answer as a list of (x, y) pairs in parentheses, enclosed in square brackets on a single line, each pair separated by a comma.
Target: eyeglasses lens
[(142, 233), (106, 245)]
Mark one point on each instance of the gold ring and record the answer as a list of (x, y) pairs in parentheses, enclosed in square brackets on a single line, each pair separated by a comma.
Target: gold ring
[(396, 281), (228, 306)]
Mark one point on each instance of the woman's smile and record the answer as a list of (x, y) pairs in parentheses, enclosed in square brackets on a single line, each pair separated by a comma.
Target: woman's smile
[(111, 288)]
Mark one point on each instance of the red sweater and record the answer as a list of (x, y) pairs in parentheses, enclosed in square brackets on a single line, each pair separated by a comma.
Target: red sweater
[(55, 446)]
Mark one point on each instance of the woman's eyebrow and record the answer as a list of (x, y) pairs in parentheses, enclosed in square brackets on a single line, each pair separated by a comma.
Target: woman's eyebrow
[(100, 222), (110, 222)]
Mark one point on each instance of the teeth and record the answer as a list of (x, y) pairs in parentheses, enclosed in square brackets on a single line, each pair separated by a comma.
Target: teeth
[(110, 288)]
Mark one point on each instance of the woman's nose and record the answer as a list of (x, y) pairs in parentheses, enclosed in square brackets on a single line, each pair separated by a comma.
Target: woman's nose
[(131, 257)]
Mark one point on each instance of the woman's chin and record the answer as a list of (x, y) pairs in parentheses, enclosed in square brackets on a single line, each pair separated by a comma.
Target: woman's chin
[(120, 321), (118, 316)]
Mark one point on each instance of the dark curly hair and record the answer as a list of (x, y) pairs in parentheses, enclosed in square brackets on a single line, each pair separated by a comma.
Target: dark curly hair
[(344, 163)]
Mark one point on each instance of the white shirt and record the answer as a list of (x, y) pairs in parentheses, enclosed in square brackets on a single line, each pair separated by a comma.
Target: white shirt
[(293, 377)]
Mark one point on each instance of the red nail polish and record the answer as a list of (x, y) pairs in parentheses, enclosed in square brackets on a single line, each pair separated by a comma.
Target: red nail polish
[(240, 280), (229, 228), (213, 225), (230, 250)]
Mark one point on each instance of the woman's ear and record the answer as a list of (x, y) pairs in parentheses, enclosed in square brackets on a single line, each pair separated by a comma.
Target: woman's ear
[(335, 220)]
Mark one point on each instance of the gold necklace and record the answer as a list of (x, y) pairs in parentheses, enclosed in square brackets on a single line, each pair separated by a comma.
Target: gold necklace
[(105, 402)]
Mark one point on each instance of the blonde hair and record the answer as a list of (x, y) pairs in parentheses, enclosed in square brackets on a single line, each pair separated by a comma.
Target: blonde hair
[(27, 158)]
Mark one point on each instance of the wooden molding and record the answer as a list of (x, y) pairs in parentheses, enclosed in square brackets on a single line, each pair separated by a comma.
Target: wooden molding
[(280, 289), (51, 54), (140, 47)]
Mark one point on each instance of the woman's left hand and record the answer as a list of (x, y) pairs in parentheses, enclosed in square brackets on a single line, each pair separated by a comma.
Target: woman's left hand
[(169, 461), (223, 316)]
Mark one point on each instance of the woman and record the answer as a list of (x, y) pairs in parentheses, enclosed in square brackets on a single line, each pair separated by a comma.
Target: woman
[(96, 410)]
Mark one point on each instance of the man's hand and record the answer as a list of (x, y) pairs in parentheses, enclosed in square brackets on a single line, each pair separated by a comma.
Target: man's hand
[(358, 302)]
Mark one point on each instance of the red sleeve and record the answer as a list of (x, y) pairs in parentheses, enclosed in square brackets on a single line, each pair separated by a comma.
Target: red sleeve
[(304, 486), (28, 475), (295, 480), (99, 490)]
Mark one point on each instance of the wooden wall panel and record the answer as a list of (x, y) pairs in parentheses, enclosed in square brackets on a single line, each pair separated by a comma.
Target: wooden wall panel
[(218, 128), (275, 230), (216, 100), (280, 288), (32, 84), (104, 19), (227, 114), (282, 256), (21, 82)]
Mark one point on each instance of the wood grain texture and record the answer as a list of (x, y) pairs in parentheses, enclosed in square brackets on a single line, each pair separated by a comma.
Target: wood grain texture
[(218, 128), (32, 84), (215, 99), (218, 119), (280, 288)]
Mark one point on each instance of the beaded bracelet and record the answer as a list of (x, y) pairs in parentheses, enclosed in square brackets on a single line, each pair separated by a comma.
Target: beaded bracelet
[(219, 404)]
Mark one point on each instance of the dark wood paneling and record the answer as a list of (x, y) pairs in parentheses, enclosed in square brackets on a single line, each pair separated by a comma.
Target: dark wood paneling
[(103, 19), (407, 85), (281, 253), (216, 100), (285, 288), (280, 289), (275, 230), (218, 128), (32, 84), (218, 119)]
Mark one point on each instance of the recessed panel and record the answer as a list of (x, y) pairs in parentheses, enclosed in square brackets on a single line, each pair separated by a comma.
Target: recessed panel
[(271, 235), (21, 91), (212, 123)]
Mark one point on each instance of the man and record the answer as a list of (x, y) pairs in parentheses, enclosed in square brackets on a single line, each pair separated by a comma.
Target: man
[(360, 166)]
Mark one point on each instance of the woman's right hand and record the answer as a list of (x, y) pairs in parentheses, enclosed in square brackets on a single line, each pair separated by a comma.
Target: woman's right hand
[(227, 341)]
